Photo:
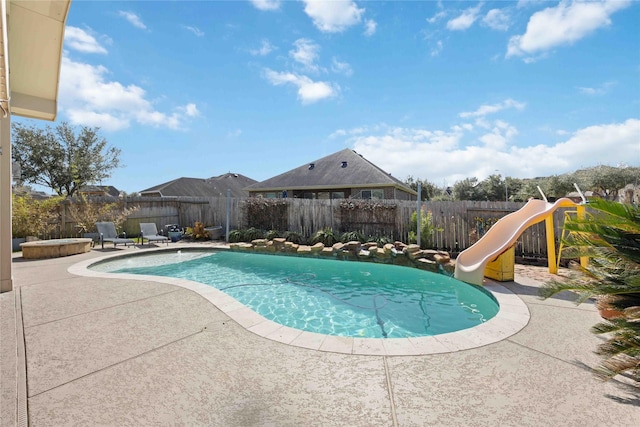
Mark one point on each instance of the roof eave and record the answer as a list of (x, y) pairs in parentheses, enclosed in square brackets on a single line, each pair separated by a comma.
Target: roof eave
[(33, 107), (36, 38), (330, 187)]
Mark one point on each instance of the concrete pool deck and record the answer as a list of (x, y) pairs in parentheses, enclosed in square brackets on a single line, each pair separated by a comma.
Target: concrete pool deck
[(101, 351)]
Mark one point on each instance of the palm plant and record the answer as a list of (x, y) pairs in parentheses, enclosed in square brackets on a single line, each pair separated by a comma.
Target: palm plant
[(610, 239)]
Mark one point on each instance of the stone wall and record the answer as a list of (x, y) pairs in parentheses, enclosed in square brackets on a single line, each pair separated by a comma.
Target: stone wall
[(396, 253)]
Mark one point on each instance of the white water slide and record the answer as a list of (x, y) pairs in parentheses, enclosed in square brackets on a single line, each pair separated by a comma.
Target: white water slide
[(471, 262)]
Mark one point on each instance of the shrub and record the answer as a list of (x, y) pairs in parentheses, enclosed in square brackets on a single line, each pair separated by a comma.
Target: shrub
[(294, 237), (197, 232), (325, 236), (426, 229), (236, 236), (253, 234), (351, 236), (85, 213), (34, 217), (380, 240), (271, 234)]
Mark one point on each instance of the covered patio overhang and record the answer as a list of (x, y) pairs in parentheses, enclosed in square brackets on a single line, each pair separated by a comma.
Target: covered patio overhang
[(31, 40)]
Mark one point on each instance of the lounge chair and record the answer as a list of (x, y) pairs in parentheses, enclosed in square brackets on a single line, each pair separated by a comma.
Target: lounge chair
[(149, 231), (108, 233)]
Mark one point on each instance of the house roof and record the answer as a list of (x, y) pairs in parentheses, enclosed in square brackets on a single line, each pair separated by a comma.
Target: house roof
[(198, 187), (108, 190), (343, 169), (36, 35)]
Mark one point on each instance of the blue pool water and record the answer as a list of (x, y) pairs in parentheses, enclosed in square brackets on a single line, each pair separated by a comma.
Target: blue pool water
[(331, 297)]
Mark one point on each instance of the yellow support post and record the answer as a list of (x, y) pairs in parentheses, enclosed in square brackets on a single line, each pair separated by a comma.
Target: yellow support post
[(551, 244), (502, 268), (584, 261)]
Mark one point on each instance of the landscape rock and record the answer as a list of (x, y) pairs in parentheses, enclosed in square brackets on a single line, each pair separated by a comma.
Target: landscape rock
[(391, 253)]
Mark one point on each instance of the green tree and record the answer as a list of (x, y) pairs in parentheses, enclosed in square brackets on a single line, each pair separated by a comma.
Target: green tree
[(514, 185), (558, 185), (60, 159), (428, 189), (610, 239), (493, 188), (468, 189), (527, 189), (606, 181)]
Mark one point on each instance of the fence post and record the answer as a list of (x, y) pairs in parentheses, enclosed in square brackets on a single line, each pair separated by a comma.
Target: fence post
[(226, 235), (418, 213), (331, 209), (63, 219)]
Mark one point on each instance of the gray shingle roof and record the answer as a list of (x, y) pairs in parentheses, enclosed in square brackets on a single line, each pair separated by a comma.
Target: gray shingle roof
[(343, 169), (108, 190), (198, 187)]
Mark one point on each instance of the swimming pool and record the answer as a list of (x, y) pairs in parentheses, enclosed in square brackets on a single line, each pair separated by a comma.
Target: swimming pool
[(342, 298)]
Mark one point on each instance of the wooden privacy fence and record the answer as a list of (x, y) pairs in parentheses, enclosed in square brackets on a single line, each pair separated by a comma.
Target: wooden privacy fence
[(184, 211), (458, 224)]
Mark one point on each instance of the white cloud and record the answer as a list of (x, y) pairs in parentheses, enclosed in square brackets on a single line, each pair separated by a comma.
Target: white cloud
[(306, 53), (308, 90), (438, 16), (350, 132), (78, 39), (266, 4), (133, 19), (88, 98), (104, 121), (195, 30), (501, 134), (370, 27), (437, 49), (341, 67), (597, 144), (601, 90), (190, 110), (465, 20), (497, 19), (333, 16), (404, 152), (265, 48), (484, 110), (526, 3), (563, 24)]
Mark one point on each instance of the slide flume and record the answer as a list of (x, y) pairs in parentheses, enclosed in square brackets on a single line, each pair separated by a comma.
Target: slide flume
[(471, 262)]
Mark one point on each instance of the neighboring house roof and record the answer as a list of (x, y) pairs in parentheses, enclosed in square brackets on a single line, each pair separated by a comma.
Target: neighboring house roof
[(35, 195), (343, 169), (198, 187), (102, 190), (234, 182)]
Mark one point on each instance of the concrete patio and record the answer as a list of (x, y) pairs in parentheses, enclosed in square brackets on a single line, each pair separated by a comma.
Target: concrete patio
[(100, 351)]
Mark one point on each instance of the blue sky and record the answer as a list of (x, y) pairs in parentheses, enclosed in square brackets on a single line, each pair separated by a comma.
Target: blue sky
[(440, 90)]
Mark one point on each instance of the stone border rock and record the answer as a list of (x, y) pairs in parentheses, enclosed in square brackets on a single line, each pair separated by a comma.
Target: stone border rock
[(396, 253)]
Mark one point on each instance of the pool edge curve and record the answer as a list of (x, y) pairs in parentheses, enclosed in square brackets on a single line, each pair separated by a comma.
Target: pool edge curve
[(512, 317)]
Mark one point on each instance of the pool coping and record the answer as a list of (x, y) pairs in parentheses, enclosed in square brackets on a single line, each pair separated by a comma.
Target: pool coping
[(512, 317)]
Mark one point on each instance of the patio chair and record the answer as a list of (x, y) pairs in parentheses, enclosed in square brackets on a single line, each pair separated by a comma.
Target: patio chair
[(108, 233), (149, 231)]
